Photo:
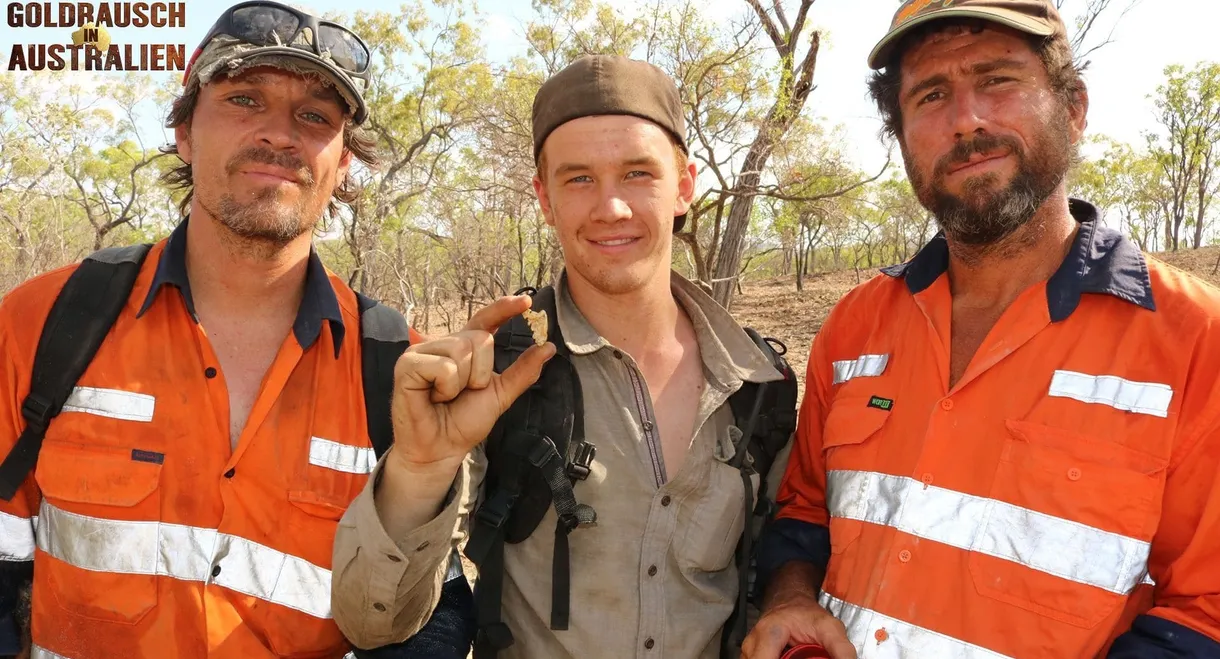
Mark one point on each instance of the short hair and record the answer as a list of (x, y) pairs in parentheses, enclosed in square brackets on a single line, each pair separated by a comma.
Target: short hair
[(1065, 75)]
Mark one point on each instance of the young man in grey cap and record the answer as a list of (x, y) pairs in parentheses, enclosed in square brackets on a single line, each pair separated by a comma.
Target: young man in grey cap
[(640, 562), (188, 483), (1008, 445)]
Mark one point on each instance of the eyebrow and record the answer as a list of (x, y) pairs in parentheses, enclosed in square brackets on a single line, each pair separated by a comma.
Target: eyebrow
[(571, 167), (319, 92), (982, 68)]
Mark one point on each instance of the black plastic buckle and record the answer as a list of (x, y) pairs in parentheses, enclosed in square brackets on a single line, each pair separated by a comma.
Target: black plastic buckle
[(495, 512), (569, 522), (543, 452), (581, 465), (36, 411)]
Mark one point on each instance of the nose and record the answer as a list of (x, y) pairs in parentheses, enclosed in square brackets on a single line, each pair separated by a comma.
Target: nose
[(611, 206), (278, 129), (968, 116)]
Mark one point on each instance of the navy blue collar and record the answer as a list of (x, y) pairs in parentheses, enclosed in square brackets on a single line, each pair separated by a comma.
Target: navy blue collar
[(1100, 261), (318, 304)]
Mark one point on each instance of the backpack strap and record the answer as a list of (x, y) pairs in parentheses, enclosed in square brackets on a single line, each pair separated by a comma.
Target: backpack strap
[(79, 320), (536, 454), (769, 413), (384, 336)]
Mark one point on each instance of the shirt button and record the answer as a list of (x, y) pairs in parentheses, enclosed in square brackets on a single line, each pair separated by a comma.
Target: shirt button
[(230, 472), (1074, 474), (904, 556), (215, 571), (209, 372), (665, 500), (380, 607), (393, 558), (649, 643), (652, 571), (618, 355), (647, 426), (946, 404), (927, 479), (881, 635)]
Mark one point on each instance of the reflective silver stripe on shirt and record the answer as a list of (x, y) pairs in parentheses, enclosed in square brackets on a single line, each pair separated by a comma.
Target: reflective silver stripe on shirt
[(864, 366), (1150, 398), (37, 652), (185, 552), (341, 457), (902, 639), (112, 403), (16, 537), (1056, 546)]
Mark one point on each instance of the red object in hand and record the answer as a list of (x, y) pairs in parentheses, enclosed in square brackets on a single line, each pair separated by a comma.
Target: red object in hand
[(806, 651)]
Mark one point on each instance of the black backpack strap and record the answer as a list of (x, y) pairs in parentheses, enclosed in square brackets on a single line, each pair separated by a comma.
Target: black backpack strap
[(769, 413), (535, 456), (79, 321), (384, 336)]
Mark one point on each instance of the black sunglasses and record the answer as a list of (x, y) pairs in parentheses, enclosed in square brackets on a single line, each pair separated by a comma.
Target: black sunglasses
[(264, 23)]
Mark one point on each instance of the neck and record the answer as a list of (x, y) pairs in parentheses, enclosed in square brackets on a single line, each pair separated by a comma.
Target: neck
[(990, 275), (232, 275), (635, 321)]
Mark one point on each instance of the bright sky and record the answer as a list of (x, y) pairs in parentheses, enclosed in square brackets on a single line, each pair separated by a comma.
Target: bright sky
[(1154, 34)]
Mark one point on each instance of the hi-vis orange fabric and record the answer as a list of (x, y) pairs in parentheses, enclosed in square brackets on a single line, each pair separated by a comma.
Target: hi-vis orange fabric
[(150, 537), (1028, 511)]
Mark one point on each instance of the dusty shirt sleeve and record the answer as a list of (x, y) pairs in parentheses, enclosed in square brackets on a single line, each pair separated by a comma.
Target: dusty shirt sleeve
[(384, 589)]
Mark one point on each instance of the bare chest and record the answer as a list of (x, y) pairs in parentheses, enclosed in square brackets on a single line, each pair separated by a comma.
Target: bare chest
[(245, 354), (675, 393), (969, 331)]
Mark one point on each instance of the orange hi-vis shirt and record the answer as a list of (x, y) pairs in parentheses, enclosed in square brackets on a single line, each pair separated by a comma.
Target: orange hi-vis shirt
[(150, 537), (1069, 483)]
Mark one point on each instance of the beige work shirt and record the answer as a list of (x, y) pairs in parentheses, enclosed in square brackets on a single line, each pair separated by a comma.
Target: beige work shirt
[(653, 577)]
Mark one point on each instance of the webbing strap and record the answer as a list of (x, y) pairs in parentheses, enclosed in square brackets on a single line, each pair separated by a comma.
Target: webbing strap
[(730, 639), (78, 323)]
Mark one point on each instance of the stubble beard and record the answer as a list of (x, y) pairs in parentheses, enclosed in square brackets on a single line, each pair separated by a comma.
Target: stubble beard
[(988, 214)]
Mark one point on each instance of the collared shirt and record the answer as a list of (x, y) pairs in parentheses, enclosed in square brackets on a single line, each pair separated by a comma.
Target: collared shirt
[(150, 535), (1027, 510), (654, 577)]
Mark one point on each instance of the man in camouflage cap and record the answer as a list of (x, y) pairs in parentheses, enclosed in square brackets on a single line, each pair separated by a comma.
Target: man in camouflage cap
[(185, 500)]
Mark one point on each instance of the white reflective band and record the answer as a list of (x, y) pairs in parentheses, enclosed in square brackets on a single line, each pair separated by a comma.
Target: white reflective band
[(902, 640), (1140, 397), (1056, 546), (185, 552), (37, 652), (113, 403), (341, 457), (864, 366), (16, 537)]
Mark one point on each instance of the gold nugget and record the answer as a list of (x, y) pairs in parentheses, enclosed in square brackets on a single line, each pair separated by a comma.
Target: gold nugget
[(538, 325)]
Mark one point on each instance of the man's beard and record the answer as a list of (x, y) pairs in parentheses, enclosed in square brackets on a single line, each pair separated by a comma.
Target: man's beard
[(264, 218), (986, 214)]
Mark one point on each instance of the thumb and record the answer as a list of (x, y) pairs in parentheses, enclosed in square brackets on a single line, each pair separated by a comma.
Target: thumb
[(522, 374)]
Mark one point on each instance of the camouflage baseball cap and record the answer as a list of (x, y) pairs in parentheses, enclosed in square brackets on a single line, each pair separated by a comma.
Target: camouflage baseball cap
[(265, 33), (1037, 17)]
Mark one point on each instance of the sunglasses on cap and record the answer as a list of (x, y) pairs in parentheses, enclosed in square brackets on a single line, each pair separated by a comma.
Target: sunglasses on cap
[(265, 23)]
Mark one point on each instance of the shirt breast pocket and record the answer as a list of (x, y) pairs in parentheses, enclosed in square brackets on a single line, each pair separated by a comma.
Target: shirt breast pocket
[(850, 438), (717, 522), (330, 478), (1068, 530), (100, 516)]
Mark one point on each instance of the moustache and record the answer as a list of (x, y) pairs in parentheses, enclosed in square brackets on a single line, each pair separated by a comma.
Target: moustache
[(264, 156), (982, 144)]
